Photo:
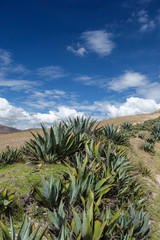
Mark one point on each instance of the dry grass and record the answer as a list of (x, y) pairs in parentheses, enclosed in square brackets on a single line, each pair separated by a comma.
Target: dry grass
[(15, 139), (133, 119)]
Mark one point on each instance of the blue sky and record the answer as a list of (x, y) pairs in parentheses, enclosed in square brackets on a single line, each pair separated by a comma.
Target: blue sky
[(62, 59)]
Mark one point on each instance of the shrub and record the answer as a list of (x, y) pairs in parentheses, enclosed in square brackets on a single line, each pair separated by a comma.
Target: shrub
[(26, 232), (156, 131), (151, 139), (141, 135), (113, 135), (11, 155), (82, 125), (127, 126), (52, 193), (55, 144), (147, 147), (6, 200)]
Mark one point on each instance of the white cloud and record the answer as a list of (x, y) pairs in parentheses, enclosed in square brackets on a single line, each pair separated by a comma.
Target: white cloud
[(150, 91), (145, 23), (99, 42), (55, 93), (5, 57), (132, 106), (51, 72), (85, 79), (81, 51), (128, 80), (12, 116), (143, 86), (48, 99), (17, 85), (62, 113), (105, 109), (19, 118)]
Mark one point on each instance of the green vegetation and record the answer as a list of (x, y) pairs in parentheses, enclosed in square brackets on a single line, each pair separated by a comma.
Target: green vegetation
[(148, 147), (78, 181)]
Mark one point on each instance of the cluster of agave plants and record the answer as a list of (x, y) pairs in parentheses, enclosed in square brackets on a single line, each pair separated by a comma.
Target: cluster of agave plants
[(99, 195)]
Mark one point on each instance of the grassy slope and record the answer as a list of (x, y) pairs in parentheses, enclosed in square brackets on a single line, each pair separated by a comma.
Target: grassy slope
[(150, 183), (20, 177)]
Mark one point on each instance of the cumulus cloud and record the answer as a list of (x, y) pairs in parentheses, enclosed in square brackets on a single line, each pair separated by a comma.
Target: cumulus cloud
[(145, 23), (132, 106), (99, 42), (51, 72), (12, 116), (19, 118), (62, 113), (128, 80), (81, 51), (142, 86)]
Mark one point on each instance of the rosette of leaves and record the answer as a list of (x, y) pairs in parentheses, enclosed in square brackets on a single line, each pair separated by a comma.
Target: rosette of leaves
[(6, 200), (86, 176), (156, 131), (52, 193), (112, 134), (147, 147), (82, 127), (56, 143), (134, 224), (10, 155), (127, 126), (26, 232)]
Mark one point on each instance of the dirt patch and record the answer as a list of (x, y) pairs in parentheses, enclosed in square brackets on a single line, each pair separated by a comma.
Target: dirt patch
[(158, 178)]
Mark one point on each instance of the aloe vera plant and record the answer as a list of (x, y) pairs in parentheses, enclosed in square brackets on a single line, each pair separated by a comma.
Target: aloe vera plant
[(26, 232), (52, 192)]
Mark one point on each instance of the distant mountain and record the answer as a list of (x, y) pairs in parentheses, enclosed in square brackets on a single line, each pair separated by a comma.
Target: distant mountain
[(5, 129)]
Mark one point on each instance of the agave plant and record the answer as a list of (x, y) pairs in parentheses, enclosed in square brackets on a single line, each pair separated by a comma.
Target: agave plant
[(52, 193), (26, 232), (82, 125), (151, 139), (83, 226), (156, 131), (10, 155), (127, 126), (113, 135), (134, 224), (6, 200), (147, 147), (141, 135), (85, 177), (56, 143)]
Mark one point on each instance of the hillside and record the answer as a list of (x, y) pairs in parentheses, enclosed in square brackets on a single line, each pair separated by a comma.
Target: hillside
[(5, 129), (139, 118), (135, 189), (16, 138)]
